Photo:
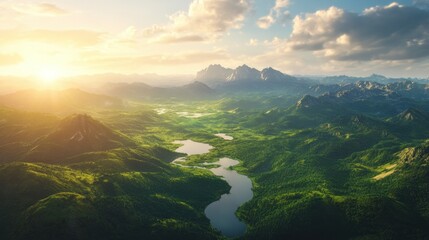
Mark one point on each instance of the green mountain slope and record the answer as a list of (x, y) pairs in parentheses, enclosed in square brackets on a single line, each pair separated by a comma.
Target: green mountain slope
[(99, 184), (75, 135), (51, 202), (349, 165)]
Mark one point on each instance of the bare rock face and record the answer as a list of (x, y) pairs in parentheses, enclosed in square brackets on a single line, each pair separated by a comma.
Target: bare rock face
[(213, 74), (270, 74), (244, 73)]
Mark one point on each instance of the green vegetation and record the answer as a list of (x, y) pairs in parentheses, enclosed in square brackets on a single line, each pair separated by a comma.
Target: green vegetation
[(321, 169)]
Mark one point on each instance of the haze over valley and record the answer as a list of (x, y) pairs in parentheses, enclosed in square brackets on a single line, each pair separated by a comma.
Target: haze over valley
[(214, 119)]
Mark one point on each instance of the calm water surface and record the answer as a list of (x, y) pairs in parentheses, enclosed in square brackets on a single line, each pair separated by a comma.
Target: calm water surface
[(222, 212), (192, 148)]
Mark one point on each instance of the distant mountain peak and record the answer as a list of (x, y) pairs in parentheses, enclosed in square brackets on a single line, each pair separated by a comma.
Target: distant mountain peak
[(377, 76), (245, 77), (198, 86), (270, 74), (214, 72), (244, 72), (74, 135), (79, 127), (244, 66), (412, 114), (308, 101), (369, 85)]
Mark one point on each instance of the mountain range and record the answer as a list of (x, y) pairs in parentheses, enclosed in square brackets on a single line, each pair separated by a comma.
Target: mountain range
[(58, 101), (343, 79), (215, 75), (245, 78), (216, 81), (142, 91), (213, 82)]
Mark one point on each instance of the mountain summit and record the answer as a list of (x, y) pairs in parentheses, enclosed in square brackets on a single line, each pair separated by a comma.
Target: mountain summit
[(213, 74), (308, 101), (270, 74), (247, 78), (244, 72), (412, 114), (75, 135)]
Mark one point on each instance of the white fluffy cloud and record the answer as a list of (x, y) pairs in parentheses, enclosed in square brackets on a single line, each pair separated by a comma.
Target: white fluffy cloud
[(204, 20), (388, 33), (280, 4), (277, 13)]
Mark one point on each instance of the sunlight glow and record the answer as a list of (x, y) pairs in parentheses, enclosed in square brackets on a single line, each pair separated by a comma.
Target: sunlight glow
[(49, 76)]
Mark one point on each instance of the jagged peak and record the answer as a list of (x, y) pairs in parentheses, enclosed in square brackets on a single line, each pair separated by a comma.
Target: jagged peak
[(244, 72), (216, 66), (270, 69), (216, 73), (368, 85), (213, 72), (272, 74), (244, 66)]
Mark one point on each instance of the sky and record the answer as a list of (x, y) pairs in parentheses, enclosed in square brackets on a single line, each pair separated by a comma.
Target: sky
[(51, 39)]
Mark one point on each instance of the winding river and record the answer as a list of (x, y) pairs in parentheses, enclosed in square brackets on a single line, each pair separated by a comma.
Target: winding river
[(221, 213)]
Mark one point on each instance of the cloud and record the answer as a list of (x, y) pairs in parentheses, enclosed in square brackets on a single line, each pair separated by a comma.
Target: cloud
[(205, 20), (75, 38), (9, 59), (39, 9), (253, 42), (265, 22), (277, 13), (177, 38), (280, 4), (393, 32)]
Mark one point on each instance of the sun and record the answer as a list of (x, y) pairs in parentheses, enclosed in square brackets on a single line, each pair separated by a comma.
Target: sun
[(48, 76)]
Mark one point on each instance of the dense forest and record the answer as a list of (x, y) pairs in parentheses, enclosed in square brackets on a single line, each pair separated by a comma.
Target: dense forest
[(349, 163)]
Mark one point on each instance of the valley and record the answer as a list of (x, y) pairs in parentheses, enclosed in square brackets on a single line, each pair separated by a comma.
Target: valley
[(214, 120), (320, 162)]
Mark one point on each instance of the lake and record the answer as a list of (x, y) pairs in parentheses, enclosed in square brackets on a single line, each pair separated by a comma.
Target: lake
[(221, 213), (192, 148)]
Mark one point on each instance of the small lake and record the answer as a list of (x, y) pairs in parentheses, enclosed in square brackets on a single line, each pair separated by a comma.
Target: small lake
[(224, 136), (191, 148), (221, 213)]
